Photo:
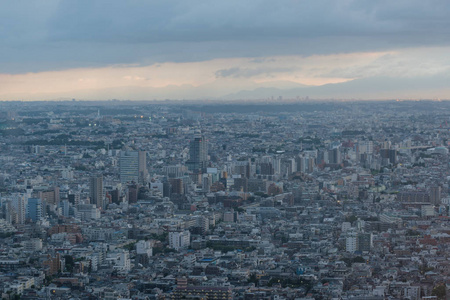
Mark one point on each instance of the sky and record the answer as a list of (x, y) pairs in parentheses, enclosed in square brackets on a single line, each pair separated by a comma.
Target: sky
[(234, 49)]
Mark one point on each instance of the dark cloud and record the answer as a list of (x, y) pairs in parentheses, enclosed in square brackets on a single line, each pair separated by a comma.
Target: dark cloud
[(227, 72), (196, 21), (50, 34)]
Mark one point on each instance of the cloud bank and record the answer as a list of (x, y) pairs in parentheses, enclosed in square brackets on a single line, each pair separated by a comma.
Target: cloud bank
[(94, 45)]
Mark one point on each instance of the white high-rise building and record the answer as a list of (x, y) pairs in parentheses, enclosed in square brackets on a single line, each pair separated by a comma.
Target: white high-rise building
[(19, 204), (346, 226), (144, 247), (124, 262), (358, 242), (179, 240), (351, 243), (365, 147), (120, 260)]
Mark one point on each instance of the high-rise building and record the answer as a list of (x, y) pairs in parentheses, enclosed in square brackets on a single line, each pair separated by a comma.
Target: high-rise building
[(266, 168), (174, 171), (133, 191), (241, 184), (364, 241), (435, 195), (142, 166), (176, 185), (96, 191), (390, 155), (334, 156), (198, 154), (144, 247), (19, 205), (115, 196), (65, 207), (50, 196), (74, 199), (179, 240), (364, 147), (133, 166), (358, 242), (34, 209), (351, 243)]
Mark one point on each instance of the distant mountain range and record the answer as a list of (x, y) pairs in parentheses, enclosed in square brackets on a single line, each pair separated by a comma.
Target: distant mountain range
[(373, 88), (367, 88)]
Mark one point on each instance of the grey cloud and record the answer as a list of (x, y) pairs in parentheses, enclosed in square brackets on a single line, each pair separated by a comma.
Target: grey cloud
[(260, 60), (247, 73), (235, 20), (395, 66), (227, 72), (49, 34)]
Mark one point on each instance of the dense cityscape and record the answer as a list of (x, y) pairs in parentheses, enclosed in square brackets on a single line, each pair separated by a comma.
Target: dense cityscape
[(177, 200)]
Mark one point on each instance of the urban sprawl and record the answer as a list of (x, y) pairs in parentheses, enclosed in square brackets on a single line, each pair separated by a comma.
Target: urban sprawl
[(176, 200)]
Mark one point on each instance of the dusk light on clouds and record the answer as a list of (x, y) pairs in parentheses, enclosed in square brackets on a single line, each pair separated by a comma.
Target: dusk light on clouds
[(139, 50)]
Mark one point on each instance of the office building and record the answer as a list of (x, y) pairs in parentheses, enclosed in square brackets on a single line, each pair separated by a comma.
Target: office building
[(390, 155), (334, 156), (19, 205), (177, 186), (364, 147), (96, 191), (358, 242), (179, 240), (364, 241), (198, 154), (65, 207), (133, 166), (435, 195), (50, 196), (351, 243), (144, 247), (133, 191), (34, 209)]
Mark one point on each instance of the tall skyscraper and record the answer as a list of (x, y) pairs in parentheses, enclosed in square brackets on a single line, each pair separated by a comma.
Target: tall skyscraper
[(96, 191), (334, 156), (142, 155), (133, 166), (35, 209), (390, 155), (65, 207), (19, 204), (435, 195), (198, 154)]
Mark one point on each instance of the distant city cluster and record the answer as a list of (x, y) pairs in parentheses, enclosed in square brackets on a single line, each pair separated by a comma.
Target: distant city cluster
[(136, 200)]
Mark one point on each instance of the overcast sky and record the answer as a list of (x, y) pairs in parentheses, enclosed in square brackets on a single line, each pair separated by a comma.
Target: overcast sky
[(187, 49)]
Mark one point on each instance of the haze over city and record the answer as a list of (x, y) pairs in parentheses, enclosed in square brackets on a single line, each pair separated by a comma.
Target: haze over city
[(153, 50)]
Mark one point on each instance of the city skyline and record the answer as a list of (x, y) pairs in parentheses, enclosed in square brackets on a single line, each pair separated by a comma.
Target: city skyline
[(147, 50)]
